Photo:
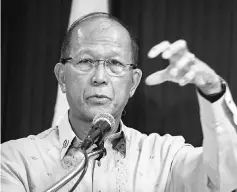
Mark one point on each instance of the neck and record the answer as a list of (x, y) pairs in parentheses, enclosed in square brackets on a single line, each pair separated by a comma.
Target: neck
[(81, 127)]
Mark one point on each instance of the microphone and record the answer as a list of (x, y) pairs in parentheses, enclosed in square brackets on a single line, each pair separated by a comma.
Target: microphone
[(102, 124)]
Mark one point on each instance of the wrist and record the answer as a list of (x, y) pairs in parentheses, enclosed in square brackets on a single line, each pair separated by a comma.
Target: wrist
[(215, 96), (212, 88)]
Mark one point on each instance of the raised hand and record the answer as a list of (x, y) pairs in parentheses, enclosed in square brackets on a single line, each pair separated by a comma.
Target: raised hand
[(184, 68)]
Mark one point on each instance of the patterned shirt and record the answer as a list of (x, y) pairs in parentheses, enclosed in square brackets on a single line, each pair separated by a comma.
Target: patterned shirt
[(134, 161)]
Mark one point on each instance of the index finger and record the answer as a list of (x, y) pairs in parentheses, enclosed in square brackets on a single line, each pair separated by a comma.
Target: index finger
[(157, 49), (179, 46)]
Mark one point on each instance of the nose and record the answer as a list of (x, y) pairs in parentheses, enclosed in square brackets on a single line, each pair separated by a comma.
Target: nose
[(100, 76)]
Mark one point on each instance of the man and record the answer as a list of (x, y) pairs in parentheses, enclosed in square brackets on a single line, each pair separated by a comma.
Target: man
[(98, 75)]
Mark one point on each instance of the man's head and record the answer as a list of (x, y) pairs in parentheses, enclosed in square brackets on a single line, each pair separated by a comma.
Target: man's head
[(65, 51), (102, 88)]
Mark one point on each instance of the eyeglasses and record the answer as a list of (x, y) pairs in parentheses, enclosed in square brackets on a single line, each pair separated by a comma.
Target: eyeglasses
[(112, 67)]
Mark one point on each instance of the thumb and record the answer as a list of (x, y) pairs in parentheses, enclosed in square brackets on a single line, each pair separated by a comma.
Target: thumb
[(157, 77)]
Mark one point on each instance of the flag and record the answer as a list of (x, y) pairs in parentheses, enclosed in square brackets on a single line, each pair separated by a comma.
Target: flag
[(78, 9)]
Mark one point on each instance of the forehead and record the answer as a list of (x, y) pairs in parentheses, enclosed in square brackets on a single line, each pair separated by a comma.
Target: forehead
[(100, 32)]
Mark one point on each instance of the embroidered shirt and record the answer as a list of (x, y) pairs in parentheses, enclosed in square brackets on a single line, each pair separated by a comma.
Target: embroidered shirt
[(134, 161)]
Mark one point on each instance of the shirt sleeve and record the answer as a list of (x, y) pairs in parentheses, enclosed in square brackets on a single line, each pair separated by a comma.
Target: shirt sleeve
[(10, 171), (212, 167)]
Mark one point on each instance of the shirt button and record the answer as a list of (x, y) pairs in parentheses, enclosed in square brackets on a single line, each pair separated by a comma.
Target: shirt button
[(65, 143)]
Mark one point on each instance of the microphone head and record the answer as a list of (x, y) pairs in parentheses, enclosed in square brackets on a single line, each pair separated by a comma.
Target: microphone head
[(105, 117), (103, 124)]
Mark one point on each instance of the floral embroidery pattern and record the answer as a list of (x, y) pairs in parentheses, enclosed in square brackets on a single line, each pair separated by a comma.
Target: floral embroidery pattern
[(73, 155), (119, 144)]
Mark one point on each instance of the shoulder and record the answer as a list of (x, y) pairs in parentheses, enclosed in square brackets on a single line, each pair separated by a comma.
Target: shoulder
[(19, 148), (50, 135)]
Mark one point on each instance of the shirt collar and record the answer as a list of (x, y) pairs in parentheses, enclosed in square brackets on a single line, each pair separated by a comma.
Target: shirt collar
[(66, 136)]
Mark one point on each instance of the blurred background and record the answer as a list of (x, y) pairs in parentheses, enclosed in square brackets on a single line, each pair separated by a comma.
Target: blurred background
[(32, 34)]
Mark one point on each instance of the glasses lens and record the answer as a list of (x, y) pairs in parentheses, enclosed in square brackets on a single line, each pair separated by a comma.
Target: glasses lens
[(85, 65), (114, 67)]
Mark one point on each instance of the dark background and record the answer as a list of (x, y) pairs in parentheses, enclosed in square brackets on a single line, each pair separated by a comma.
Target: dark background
[(32, 33)]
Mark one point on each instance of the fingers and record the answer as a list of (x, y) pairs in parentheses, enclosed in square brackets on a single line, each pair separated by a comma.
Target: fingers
[(177, 48), (180, 61), (167, 49), (184, 68), (157, 77), (188, 58), (188, 78), (157, 49), (182, 64)]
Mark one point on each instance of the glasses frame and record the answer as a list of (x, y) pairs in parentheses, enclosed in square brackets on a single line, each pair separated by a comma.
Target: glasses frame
[(66, 60)]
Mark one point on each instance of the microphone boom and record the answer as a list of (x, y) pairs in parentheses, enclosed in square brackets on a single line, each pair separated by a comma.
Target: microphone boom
[(102, 125)]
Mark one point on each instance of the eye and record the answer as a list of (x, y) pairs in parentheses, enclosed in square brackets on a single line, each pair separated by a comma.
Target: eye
[(86, 61), (84, 65), (116, 63), (115, 66)]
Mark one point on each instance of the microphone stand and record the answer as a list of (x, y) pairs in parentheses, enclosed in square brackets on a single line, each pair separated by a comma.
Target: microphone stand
[(99, 152)]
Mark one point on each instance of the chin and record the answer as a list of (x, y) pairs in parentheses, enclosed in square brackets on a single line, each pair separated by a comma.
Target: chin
[(90, 111), (96, 110)]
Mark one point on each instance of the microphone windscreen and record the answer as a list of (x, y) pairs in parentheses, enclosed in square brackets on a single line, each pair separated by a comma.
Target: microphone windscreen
[(105, 117)]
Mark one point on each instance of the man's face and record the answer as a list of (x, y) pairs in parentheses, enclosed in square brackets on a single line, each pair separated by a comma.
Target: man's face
[(96, 91)]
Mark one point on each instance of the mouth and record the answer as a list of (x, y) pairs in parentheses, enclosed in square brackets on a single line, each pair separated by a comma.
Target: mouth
[(100, 96), (98, 99)]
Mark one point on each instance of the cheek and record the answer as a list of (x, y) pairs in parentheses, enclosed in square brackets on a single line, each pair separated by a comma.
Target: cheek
[(75, 85), (122, 91)]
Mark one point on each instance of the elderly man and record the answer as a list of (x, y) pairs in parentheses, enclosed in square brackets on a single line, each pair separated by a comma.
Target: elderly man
[(98, 74)]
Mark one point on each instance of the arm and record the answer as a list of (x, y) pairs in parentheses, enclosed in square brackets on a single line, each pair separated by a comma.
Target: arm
[(10, 171), (213, 167), (219, 123)]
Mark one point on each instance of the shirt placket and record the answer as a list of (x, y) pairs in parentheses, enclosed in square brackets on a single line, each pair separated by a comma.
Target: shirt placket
[(104, 174)]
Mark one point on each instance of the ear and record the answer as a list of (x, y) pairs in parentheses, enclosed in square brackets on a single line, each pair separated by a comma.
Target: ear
[(59, 73), (136, 78)]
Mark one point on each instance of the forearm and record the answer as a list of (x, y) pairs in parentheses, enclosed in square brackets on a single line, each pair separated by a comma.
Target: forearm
[(214, 166), (218, 121)]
